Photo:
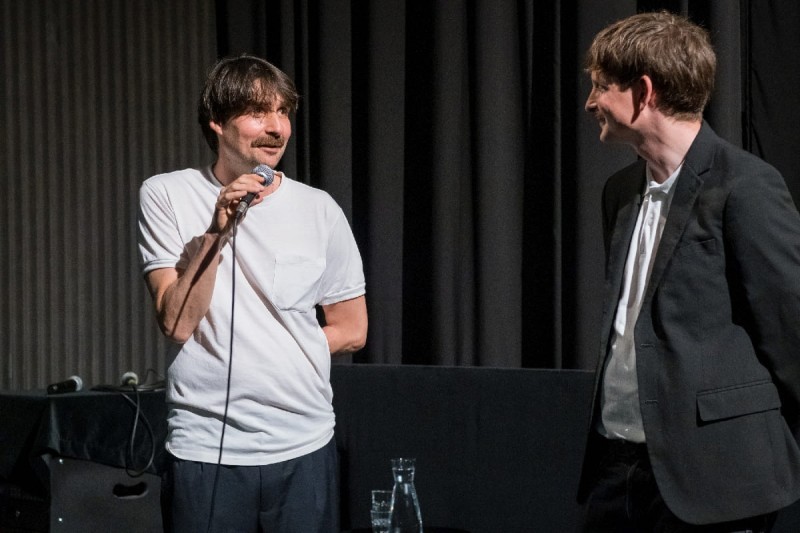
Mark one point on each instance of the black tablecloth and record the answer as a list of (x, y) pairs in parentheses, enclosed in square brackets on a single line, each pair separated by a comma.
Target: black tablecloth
[(489, 443), (95, 426)]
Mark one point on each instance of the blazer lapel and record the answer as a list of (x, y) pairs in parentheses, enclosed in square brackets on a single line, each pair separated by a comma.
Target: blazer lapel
[(628, 203), (698, 161)]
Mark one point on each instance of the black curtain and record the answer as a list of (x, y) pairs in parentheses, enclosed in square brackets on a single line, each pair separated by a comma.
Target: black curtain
[(453, 135), (772, 120)]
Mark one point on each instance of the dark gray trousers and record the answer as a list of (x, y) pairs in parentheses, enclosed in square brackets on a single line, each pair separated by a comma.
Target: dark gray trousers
[(626, 499), (299, 495)]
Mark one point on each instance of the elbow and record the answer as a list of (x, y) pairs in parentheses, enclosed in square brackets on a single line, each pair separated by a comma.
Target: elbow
[(174, 333), (178, 338), (359, 341), (344, 344), (353, 344)]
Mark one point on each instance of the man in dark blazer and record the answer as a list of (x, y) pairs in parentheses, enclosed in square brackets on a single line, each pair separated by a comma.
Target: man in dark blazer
[(696, 412)]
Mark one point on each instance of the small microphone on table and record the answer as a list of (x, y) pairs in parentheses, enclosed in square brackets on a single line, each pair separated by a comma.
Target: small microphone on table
[(129, 379), (71, 384)]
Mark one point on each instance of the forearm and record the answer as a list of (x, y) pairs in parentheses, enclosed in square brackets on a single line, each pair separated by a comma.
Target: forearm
[(182, 298), (183, 301)]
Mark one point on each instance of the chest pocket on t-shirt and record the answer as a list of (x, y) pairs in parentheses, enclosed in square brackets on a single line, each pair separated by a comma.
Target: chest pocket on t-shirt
[(296, 281)]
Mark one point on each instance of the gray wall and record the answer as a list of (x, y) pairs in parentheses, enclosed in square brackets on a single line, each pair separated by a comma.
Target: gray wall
[(96, 96)]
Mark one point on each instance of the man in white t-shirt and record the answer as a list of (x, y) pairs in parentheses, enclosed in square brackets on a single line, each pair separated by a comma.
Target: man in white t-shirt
[(248, 378)]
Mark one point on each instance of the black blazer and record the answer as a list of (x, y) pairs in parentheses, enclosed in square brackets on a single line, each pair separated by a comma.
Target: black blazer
[(718, 336)]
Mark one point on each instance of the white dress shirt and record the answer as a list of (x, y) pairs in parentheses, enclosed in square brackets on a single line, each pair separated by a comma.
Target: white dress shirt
[(621, 416)]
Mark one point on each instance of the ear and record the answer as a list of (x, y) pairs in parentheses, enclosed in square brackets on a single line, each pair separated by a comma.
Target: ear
[(215, 127), (643, 93)]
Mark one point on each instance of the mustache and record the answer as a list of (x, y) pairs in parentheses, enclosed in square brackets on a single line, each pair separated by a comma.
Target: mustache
[(270, 142)]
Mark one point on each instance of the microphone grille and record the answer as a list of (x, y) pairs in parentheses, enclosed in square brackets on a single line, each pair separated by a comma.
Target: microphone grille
[(130, 378), (78, 382), (265, 172)]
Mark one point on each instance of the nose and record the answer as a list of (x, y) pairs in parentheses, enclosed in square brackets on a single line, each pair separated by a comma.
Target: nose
[(590, 104), (271, 122)]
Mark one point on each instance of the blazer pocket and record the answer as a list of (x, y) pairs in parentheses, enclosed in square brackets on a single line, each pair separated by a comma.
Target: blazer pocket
[(730, 402), (706, 247)]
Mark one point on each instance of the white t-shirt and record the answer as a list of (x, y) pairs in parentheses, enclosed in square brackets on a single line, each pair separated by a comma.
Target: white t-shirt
[(293, 251)]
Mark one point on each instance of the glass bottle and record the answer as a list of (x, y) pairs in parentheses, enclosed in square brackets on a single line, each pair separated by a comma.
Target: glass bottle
[(405, 516)]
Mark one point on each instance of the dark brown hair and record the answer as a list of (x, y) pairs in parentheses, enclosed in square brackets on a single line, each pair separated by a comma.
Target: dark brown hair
[(239, 85), (673, 51)]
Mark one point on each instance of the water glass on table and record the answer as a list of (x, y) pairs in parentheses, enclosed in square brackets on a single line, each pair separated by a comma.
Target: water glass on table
[(381, 509)]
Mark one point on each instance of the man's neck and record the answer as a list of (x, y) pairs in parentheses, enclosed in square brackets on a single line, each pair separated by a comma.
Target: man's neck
[(665, 147), (224, 174)]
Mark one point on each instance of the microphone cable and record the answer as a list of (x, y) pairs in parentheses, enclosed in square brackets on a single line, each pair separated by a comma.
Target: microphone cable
[(228, 384), (268, 175), (133, 387), (137, 416)]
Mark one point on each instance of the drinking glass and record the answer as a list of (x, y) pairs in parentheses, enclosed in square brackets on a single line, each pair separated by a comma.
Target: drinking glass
[(381, 509)]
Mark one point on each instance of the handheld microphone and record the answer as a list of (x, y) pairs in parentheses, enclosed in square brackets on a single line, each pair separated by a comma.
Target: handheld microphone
[(72, 384), (265, 172), (129, 379)]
